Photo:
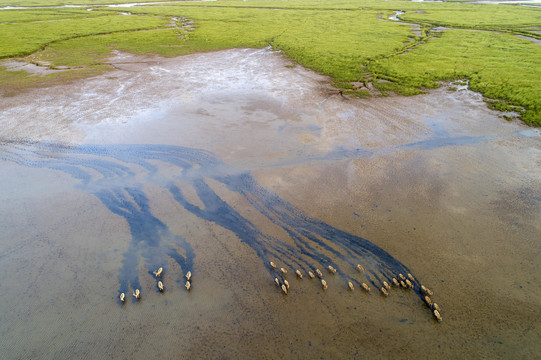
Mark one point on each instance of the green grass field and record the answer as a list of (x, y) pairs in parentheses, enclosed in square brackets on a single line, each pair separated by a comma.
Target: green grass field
[(350, 41)]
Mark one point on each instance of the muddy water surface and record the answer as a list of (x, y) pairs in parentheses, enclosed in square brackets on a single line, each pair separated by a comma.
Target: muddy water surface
[(219, 163)]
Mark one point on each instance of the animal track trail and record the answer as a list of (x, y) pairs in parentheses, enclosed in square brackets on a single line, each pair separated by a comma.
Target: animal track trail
[(123, 170)]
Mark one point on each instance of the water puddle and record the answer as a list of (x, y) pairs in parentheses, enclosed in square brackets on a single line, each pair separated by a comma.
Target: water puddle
[(396, 15), (416, 28), (220, 163)]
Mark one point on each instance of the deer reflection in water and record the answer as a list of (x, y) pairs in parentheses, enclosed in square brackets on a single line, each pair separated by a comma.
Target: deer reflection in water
[(123, 171)]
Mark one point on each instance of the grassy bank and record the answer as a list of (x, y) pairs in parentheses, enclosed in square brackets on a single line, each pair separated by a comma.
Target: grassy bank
[(335, 43), (500, 66), (350, 41), (28, 37)]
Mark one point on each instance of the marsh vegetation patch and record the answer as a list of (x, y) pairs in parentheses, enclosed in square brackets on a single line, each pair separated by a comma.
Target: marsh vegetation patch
[(341, 40)]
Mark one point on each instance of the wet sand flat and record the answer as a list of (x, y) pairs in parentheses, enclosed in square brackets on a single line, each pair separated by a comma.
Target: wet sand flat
[(219, 157)]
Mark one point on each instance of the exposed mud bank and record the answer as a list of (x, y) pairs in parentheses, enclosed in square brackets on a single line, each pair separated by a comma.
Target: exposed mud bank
[(440, 182), (38, 70)]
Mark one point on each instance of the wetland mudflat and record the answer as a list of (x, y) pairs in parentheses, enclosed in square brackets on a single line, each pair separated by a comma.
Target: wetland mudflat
[(438, 181)]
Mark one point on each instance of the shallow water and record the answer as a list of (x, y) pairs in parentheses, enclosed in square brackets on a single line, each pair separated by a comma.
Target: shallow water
[(219, 163)]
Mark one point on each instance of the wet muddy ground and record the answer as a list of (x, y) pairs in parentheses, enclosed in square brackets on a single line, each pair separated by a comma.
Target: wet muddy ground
[(225, 155)]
